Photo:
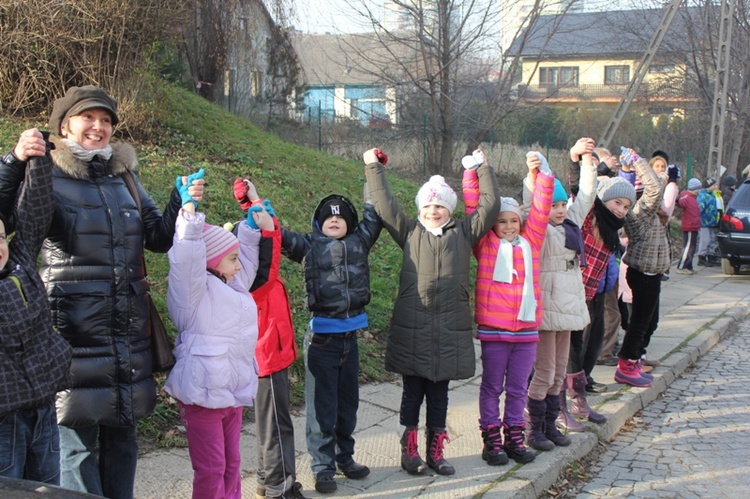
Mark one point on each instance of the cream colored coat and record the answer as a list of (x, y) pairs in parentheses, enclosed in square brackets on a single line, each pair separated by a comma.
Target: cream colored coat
[(563, 296)]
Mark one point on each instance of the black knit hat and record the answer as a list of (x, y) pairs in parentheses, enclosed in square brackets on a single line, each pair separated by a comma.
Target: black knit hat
[(662, 154), (77, 100), (337, 206)]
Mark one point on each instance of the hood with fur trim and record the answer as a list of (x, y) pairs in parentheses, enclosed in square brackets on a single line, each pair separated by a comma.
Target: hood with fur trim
[(123, 159)]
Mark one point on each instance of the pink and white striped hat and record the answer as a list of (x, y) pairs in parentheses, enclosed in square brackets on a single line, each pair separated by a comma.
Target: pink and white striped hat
[(219, 243)]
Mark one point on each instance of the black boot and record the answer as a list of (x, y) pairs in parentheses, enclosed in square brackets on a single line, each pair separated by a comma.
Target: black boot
[(410, 459), (577, 394), (436, 438), (550, 430), (513, 445), (702, 260), (536, 435), (493, 452)]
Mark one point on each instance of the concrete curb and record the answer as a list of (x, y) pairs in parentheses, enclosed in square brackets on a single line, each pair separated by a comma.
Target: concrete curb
[(533, 479)]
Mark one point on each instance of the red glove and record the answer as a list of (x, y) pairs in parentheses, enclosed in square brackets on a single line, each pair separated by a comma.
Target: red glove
[(240, 193), (382, 157)]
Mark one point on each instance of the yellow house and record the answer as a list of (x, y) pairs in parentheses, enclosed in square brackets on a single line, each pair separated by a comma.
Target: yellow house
[(591, 57)]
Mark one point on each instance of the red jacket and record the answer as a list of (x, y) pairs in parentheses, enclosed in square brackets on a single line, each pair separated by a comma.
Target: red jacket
[(276, 349), (691, 212)]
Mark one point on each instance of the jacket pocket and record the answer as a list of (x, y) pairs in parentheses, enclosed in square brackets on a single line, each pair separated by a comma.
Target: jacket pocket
[(209, 366)]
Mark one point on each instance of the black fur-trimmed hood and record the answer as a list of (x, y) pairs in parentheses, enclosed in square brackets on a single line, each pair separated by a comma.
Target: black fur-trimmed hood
[(123, 159)]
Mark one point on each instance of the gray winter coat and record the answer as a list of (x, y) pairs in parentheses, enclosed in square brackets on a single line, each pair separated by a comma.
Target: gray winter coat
[(431, 328)]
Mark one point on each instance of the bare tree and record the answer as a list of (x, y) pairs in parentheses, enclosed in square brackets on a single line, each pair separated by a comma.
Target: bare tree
[(694, 41), (444, 55)]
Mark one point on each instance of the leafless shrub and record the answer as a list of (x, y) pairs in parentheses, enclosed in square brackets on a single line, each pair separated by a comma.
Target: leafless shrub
[(48, 46)]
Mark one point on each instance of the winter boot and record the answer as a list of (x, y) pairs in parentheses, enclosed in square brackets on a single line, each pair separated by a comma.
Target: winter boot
[(565, 420), (577, 393), (535, 436), (410, 460), (550, 430), (436, 438), (513, 445), (628, 373), (493, 452)]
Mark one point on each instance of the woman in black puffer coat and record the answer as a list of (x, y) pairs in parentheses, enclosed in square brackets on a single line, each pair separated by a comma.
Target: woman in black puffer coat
[(92, 266)]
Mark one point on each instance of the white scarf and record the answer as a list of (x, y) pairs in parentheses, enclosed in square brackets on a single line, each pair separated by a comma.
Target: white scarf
[(437, 231), (504, 272), (86, 155)]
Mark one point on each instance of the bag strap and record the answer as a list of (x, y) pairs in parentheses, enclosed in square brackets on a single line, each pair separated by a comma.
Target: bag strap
[(130, 182)]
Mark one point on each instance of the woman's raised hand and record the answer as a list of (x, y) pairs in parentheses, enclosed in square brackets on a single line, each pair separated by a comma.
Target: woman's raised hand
[(30, 144)]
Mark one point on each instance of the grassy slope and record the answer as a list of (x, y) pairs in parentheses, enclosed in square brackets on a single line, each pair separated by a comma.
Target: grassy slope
[(197, 134)]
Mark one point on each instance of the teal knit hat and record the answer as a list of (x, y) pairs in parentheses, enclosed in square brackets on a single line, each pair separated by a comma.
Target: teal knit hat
[(559, 194)]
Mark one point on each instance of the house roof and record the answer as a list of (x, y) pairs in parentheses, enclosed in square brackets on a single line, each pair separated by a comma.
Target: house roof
[(349, 59), (596, 34)]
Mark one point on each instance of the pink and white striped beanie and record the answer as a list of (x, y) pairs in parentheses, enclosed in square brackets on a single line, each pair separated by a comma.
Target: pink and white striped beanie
[(219, 243)]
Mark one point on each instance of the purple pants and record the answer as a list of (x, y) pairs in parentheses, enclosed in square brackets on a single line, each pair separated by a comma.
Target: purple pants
[(505, 367), (213, 437)]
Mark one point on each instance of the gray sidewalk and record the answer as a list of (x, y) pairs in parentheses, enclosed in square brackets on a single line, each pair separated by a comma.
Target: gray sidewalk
[(695, 312)]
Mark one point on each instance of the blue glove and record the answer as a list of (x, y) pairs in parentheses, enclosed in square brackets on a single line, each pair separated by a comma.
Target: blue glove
[(269, 209), (183, 189), (250, 220)]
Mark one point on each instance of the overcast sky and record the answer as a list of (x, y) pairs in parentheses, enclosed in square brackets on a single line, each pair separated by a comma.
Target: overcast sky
[(328, 16), (336, 16)]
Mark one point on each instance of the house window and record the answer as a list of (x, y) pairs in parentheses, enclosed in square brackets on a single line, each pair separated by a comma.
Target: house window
[(255, 88), (661, 68), (558, 77), (616, 75)]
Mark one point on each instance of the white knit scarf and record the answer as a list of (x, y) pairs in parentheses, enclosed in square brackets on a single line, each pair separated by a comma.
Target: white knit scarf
[(437, 231), (86, 155), (504, 272)]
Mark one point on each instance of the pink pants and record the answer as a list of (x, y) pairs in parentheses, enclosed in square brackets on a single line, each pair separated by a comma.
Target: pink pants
[(213, 437)]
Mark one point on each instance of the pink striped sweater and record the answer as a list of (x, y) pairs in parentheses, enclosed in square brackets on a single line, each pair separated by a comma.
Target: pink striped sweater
[(497, 304)]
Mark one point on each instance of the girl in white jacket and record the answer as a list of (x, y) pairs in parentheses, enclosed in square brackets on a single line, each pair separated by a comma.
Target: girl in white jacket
[(563, 300), (214, 375)]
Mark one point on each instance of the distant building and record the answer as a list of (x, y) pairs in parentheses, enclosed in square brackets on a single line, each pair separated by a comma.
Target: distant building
[(518, 12), (341, 77), (592, 56)]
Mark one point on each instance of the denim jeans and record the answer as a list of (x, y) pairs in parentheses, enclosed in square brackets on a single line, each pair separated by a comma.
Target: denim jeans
[(332, 398), (111, 473), (417, 389), (30, 445)]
